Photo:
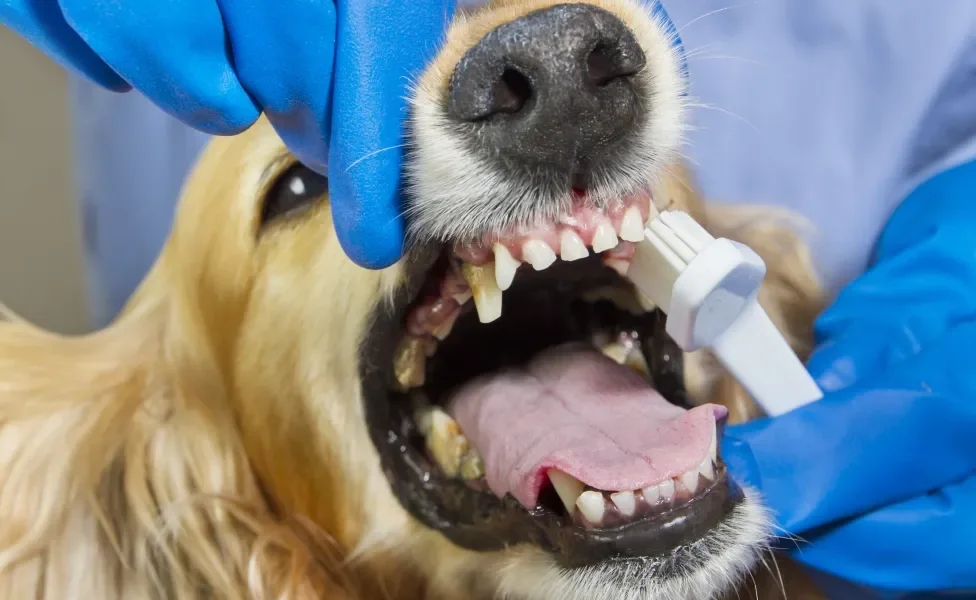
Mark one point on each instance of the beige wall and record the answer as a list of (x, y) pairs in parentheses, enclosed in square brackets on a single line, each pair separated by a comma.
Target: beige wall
[(41, 265)]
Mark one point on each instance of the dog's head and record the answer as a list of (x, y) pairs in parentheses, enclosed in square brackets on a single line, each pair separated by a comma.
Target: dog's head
[(554, 445)]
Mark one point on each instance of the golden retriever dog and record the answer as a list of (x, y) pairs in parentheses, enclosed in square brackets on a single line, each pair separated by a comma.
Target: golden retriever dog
[(266, 419)]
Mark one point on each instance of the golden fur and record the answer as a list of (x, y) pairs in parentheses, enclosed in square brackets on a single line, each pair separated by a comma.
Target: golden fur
[(211, 442)]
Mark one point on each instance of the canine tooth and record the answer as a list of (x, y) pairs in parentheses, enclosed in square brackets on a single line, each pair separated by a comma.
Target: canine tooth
[(630, 227), (666, 489), (445, 442), (592, 505), (646, 303), (626, 502), (538, 254), (713, 447), (636, 361), (484, 289), (571, 246), (652, 212), (690, 480), (567, 487), (409, 362), (616, 351), (707, 469), (604, 238), (472, 467), (505, 267)]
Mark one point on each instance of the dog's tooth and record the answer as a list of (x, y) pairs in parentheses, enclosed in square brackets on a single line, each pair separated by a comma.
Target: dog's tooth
[(409, 362), (567, 487), (462, 297), (538, 254), (445, 442), (652, 495), (604, 238), (652, 212), (713, 447), (636, 361), (619, 265), (690, 480), (484, 289), (592, 505), (571, 246), (645, 303), (666, 489), (615, 351), (631, 229), (707, 469), (444, 329), (625, 502), (505, 267), (472, 467)]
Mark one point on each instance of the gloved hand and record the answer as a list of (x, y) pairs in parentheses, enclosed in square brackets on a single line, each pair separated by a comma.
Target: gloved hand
[(330, 75), (879, 477)]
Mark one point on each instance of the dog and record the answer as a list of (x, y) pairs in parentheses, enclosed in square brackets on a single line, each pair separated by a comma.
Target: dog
[(266, 419)]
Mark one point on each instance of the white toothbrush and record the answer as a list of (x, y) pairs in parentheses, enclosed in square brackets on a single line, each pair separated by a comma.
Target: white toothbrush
[(708, 289)]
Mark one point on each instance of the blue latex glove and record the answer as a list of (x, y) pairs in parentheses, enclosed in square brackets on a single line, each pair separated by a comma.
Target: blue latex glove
[(880, 475), (331, 76)]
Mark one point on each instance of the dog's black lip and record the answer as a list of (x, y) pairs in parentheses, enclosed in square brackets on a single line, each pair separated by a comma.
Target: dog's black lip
[(481, 521)]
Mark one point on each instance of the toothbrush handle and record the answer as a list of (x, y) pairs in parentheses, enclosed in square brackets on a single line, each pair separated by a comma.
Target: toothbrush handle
[(758, 356)]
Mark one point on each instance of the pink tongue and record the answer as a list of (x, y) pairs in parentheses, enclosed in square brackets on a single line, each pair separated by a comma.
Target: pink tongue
[(574, 409)]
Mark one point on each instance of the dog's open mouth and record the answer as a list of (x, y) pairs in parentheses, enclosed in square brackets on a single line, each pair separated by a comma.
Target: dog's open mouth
[(556, 417)]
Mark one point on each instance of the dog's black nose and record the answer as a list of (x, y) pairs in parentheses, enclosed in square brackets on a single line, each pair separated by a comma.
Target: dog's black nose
[(555, 87)]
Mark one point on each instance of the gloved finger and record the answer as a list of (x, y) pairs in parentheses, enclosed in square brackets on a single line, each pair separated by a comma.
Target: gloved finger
[(879, 441), (42, 24), (174, 52), (283, 53), (919, 545), (381, 47)]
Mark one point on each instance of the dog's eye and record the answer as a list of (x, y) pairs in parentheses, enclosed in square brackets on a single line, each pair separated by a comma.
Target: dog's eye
[(296, 189)]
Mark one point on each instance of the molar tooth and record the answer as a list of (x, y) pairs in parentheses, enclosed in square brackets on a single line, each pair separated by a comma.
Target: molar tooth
[(630, 227), (472, 467), (538, 254), (592, 505), (626, 502), (445, 442), (604, 238), (571, 247), (409, 362), (505, 266), (487, 296), (690, 480), (567, 487), (444, 329)]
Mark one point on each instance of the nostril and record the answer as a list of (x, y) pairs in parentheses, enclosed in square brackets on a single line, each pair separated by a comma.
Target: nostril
[(605, 64), (512, 91)]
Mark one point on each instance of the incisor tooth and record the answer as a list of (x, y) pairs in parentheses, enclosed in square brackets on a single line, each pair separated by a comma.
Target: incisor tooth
[(484, 289), (626, 502), (538, 254), (666, 489), (652, 495), (567, 487), (690, 480), (604, 238), (630, 227), (505, 267), (409, 362), (592, 505), (571, 246)]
